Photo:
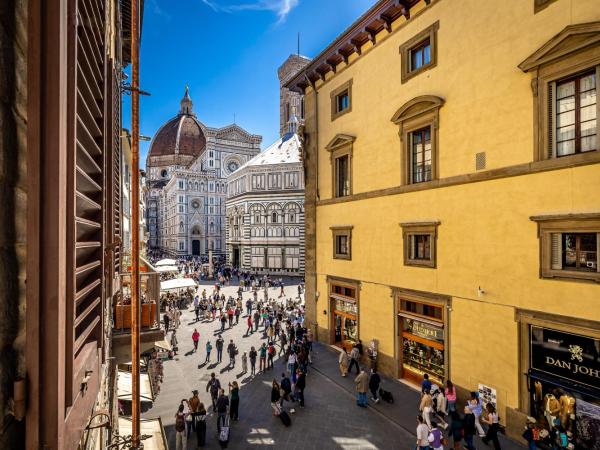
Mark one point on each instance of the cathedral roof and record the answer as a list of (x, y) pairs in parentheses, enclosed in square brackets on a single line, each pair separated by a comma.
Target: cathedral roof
[(285, 150), (181, 135)]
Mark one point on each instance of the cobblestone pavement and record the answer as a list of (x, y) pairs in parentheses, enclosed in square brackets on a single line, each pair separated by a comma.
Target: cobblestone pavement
[(330, 420)]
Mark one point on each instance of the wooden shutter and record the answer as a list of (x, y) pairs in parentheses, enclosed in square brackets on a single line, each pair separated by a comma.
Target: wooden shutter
[(85, 190), (556, 251), (552, 120), (116, 166)]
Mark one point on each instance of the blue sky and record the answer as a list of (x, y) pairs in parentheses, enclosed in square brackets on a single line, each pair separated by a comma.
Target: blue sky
[(228, 52)]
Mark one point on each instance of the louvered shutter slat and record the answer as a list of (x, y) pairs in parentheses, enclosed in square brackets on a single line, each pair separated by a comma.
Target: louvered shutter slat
[(552, 120), (556, 251)]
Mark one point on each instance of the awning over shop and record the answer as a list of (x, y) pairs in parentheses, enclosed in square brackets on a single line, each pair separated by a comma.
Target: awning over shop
[(151, 427), (124, 387), (177, 283), (163, 345), (163, 269), (166, 262)]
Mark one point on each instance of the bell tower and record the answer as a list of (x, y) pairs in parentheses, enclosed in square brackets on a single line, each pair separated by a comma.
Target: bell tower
[(290, 103)]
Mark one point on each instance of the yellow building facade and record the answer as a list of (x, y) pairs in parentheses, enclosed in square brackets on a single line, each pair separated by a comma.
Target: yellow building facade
[(453, 209)]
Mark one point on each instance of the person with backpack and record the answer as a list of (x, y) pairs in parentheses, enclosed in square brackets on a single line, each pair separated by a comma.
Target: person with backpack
[(219, 344), (529, 434), (436, 438), (469, 428), (180, 437), (374, 382), (354, 358), (491, 418), (455, 431), (213, 387), (252, 355)]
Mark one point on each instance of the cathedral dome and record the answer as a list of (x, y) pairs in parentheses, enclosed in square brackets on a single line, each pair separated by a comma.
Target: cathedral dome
[(181, 135)]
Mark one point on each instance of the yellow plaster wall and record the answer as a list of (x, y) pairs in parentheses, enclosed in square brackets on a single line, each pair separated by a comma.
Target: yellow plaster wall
[(488, 98)]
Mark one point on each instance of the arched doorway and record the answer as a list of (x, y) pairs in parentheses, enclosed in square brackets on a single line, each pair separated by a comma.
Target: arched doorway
[(196, 247)]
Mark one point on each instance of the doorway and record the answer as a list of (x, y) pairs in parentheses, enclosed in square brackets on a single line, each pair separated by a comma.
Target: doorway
[(196, 247), (236, 257)]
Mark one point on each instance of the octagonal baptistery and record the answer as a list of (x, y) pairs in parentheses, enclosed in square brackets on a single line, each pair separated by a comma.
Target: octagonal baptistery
[(180, 140)]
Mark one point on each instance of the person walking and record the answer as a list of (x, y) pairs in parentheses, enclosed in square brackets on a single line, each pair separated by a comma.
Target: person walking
[(491, 419), (354, 357), (291, 362), (180, 437), (174, 342), (223, 321), (263, 357), (195, 339), (456, 429), (166, 320), (219, 344), (362, 384), (193, 404), (286, 388), (422, 434), (253, 354), (450, 392), (201, 425), (469, 428), (249, 330), (343, 361), (275, 397), (244, 363), (213, 387), (475, 406), (222, 405), (300, 386), (425, 384), (270, 355), (282, 343), (208, 350), (374, 382), (232, 351), (256, 318), (426, 407), (435, 437), (234, 392)]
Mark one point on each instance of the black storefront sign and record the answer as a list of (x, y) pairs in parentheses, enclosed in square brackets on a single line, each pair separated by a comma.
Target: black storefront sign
[(570, 356)]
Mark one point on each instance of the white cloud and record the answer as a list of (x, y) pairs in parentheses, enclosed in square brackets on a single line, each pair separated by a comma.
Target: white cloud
[(280, 7)]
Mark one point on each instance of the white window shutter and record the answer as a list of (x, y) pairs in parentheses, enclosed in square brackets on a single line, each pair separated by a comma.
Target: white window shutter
[(556, 251), (552, 120)]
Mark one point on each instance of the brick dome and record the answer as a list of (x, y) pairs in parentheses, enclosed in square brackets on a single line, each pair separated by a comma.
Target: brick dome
[(181, 135)]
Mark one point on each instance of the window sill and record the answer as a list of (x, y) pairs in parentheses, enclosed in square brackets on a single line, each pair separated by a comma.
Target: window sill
[(569, 275), (420, 263), (344, 257), (418, 71)]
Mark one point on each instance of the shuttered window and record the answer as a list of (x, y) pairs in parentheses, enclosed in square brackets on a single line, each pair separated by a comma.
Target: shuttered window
[(575, 251), (85, 215)]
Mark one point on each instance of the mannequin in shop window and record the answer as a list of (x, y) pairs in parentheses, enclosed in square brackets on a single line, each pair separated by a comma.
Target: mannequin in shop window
[(551, 408)]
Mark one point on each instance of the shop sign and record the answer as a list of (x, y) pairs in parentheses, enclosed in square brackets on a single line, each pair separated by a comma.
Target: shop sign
[(424, 330), (566, 355)]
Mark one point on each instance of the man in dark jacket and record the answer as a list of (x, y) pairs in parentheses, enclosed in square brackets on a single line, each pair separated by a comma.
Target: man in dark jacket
[(374, 382), (231, 351), (286, 386), (213, 386), (300, 386), (219, 344), (222, 406), (469, 428)]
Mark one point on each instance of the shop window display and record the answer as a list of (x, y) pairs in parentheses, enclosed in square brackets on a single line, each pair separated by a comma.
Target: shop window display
[(422, 359)]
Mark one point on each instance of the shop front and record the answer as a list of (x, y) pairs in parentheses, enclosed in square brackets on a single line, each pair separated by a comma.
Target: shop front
[(422, 338), (564, 385), (343, 300)]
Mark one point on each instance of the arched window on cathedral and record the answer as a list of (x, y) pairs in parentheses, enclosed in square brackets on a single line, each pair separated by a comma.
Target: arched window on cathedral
[(202, 186), (181, 227), (212, 227)]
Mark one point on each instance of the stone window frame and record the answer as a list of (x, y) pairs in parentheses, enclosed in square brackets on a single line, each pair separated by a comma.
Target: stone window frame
[(565, 223), (341, 145), (347, 86), (342, 230), (576, 49), (419, 112), (405, 52), (410, 229)]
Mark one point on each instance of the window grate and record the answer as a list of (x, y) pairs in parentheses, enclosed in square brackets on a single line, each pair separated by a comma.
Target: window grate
[(480, 161)]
